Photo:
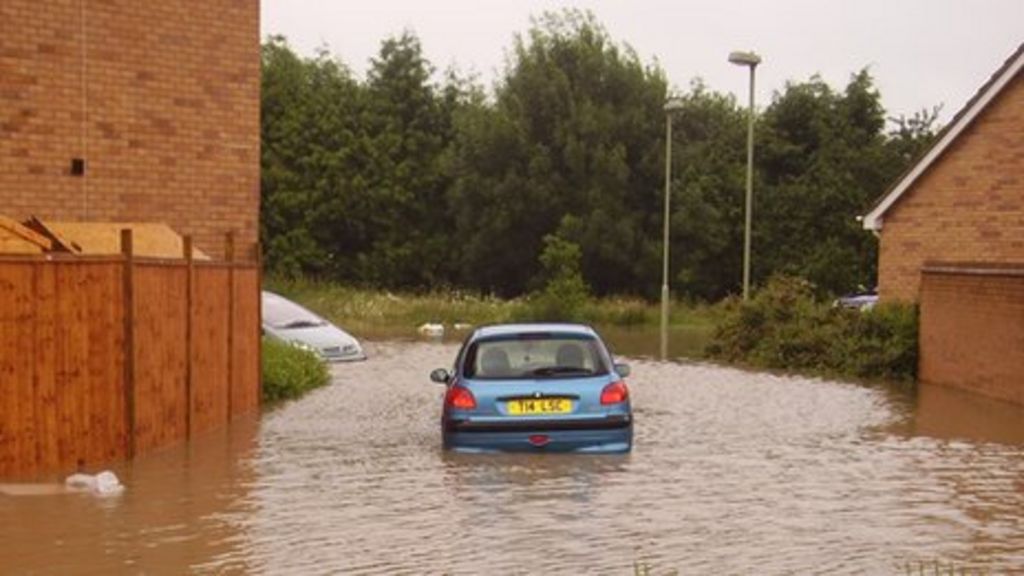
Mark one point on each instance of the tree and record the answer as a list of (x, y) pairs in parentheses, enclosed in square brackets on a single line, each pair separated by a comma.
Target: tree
[(709, 170), (307, 121), (404, 182), (824, 156), (574, 130), (406, 130)]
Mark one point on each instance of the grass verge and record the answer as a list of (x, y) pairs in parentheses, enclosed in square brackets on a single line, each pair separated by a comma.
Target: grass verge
[(378, 314)]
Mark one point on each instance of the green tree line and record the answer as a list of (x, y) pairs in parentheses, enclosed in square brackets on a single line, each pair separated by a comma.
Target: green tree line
[(402, 181)]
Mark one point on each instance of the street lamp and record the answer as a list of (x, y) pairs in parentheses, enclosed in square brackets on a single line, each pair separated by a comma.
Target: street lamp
[(671, 106), (751, 60)]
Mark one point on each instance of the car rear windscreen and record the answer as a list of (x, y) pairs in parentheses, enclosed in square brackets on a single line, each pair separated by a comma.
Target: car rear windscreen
[(535, 356), (283, 313)]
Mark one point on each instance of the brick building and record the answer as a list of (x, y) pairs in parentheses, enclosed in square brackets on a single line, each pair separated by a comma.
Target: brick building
[(952, 239), (126, 110), (963, 201)]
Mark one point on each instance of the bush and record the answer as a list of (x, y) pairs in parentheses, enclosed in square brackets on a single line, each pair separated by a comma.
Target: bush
[(784, 326), (289, 371), (565, 294)]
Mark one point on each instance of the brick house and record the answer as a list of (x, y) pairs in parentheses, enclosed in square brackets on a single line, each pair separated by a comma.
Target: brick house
[(963, 201), (132, 111), (951, 233)]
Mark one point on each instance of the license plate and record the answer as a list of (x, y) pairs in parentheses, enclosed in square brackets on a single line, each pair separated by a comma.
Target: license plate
[(531, 406)]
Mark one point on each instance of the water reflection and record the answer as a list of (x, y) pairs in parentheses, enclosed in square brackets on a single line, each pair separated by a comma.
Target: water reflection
[(947, 413), (168, 520), (732, 472)]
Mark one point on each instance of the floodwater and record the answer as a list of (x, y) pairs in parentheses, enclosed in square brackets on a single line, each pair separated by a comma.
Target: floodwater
[(732, 472)]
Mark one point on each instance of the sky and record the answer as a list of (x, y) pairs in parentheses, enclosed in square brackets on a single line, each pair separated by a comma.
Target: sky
[(921, 52)]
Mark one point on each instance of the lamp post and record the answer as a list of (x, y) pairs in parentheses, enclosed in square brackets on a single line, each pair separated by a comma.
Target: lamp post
[(671, 105), (750, 60)]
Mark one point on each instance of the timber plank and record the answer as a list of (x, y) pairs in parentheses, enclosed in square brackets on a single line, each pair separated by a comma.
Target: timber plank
[(210, 348)]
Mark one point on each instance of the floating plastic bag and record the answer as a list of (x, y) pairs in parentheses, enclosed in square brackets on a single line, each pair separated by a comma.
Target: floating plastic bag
[(103, 484)]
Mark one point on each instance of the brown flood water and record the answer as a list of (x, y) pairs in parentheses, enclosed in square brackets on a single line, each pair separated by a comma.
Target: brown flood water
[(732, 472)]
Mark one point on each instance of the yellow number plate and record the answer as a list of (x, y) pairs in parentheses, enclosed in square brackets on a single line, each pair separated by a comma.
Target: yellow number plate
[(531, 406)]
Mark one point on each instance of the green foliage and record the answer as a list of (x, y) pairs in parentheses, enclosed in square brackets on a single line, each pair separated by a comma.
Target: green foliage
[(785, 326), (564, 294), (574, 131), (289, 371), (824, 157), (354, 175), (385, 313), (404, 182), (360, 310)]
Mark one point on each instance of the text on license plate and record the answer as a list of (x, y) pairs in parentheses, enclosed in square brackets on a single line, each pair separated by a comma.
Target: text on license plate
[(528, 406)]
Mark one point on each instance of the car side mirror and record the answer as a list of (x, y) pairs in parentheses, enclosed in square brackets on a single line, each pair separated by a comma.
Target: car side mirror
[(440, 376), (622, 370)]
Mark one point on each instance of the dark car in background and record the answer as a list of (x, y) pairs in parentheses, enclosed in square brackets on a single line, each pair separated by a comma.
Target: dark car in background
[(861, 300)]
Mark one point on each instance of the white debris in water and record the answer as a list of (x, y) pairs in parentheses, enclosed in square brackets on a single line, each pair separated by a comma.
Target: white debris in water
[(431, 329), (103, 484)]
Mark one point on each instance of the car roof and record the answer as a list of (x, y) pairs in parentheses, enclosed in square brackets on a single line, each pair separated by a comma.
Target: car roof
[(526, 328)]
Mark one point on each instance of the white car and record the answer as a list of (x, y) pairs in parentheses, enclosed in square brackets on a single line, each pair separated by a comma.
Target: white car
[(287, 321)]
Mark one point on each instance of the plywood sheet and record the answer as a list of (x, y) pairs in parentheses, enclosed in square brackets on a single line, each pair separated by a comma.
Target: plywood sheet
[(150, 239)]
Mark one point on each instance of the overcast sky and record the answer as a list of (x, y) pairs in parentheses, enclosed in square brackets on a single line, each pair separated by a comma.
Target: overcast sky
[(921, 52)]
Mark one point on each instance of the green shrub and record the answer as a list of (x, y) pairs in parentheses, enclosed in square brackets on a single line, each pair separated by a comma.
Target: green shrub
[(289, 371), (565, 294), (785, 326)]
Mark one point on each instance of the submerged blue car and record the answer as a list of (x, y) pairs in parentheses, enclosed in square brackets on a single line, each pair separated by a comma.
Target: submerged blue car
[(535, 387)]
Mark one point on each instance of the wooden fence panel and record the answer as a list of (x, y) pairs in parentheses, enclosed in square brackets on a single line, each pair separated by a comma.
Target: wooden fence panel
[(63, 357), (90, 363), (245, 376), (45, 365), (61, 366), (161, 355), (17, 314), (210, 378)]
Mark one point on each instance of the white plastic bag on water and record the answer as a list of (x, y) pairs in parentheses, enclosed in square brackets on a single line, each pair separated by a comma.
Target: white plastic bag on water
[(103, 484)]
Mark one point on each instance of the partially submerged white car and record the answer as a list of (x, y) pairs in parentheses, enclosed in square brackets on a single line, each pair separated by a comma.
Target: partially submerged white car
[(289, 322)]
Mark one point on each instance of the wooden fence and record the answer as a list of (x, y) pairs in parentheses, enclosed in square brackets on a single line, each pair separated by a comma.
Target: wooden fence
[(105, 358)]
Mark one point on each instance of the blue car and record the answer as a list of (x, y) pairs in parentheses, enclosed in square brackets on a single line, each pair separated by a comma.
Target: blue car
[(536, 387)]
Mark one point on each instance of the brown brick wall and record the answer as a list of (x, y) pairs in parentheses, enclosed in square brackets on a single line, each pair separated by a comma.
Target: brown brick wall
[(972, 332), (968, 207), (160, 98)]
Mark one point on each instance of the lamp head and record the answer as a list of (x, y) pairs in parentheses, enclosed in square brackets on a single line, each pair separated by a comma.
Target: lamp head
[(744, 58), (673, 104)]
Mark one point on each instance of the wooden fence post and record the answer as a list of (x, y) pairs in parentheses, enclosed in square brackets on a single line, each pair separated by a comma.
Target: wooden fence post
[(128, 251), (190, 272), (229, 255)]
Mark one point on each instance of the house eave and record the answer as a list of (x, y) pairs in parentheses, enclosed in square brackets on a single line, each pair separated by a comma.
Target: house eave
[(873, 220)]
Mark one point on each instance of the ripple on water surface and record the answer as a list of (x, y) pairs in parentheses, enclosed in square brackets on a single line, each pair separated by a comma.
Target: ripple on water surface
[(732, 472)]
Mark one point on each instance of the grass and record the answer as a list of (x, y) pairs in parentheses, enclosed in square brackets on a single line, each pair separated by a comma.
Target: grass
[(382, 314), (783, 327)]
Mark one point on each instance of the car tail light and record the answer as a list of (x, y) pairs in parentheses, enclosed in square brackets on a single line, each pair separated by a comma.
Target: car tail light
[(615, 393), (460, 398)]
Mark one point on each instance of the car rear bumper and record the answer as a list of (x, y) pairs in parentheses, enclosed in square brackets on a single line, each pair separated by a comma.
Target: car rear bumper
[(607, 435)]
